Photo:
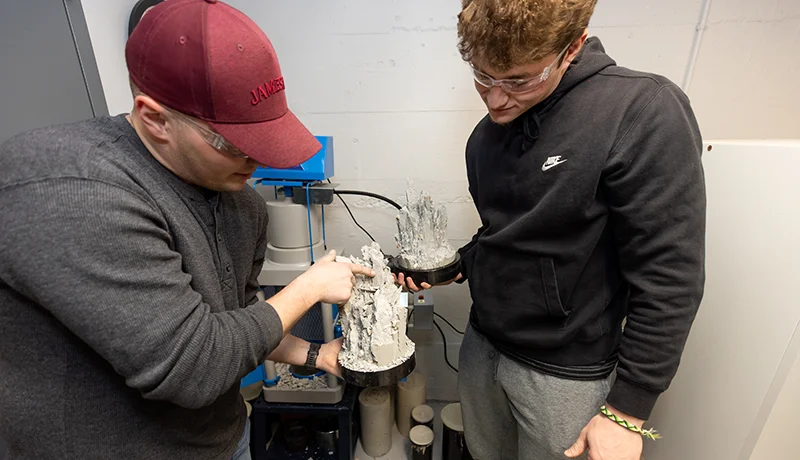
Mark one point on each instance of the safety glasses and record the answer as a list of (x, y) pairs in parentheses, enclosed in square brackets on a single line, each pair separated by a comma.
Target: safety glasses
[(213, 138), (517, 86)]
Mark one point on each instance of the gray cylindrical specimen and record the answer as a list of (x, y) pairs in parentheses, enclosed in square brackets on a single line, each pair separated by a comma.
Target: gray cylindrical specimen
[(410, 394), (376, 422)]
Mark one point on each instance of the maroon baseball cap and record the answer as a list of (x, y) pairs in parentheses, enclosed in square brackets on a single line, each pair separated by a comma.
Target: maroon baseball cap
[(207, 59)]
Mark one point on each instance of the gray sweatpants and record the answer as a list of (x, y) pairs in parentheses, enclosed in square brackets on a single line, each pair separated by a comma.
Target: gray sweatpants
[(513, 412)]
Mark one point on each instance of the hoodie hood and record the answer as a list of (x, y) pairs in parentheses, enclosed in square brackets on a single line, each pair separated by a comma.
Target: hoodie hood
[(591, 59)]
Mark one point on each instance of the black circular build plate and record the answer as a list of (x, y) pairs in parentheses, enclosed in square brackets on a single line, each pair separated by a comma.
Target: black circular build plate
[(380, 378), (433, 277)]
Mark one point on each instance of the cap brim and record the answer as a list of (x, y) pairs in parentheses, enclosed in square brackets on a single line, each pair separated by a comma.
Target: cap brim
[(280, 143)]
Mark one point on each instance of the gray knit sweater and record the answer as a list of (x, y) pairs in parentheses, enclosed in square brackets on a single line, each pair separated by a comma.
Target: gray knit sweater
[(123, 327)]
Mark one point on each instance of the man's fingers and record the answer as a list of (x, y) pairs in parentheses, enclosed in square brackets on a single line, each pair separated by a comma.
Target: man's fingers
[(426, 286), (361, 270), (579, 447), (411, 284), (400, 280), (330, 257)]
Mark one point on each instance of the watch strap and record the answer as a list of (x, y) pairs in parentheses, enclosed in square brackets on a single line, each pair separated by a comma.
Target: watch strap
[(313, 353)]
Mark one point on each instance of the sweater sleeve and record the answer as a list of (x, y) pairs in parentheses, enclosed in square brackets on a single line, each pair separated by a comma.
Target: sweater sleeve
[(99, 259), (252, 287), (467, 252), (655, 188)]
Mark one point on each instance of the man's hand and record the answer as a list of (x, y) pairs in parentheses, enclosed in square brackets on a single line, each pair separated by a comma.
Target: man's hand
[(605, 440), (402, 280), (329, 281), (328, 359)]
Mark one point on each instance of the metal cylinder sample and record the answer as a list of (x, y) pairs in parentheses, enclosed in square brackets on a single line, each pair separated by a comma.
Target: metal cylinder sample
[(376, 422), (410, 394), (454, 446), (422, 415), (421, 443)]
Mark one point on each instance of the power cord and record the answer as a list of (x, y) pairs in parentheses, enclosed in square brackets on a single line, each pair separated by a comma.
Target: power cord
[(354, 217), (369, 194), (448, 323), (351, 213), (444, 341)]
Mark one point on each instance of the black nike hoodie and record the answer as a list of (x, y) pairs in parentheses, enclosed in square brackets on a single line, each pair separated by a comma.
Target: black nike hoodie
[(592, 208)]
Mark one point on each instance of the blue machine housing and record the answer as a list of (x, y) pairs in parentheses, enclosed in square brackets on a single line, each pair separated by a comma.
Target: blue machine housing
[(316, 169)]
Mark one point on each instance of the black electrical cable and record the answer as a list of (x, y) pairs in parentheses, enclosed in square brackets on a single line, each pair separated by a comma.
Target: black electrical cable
[(351, 214), (448, 323), (369, 194), (354, 218), (444, 342)]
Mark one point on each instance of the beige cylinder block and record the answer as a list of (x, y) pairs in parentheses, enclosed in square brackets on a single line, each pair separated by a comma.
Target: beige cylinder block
[(410, 394), (376, 421)]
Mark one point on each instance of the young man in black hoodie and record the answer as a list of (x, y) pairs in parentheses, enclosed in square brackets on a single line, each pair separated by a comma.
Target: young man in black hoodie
[(589, 185)]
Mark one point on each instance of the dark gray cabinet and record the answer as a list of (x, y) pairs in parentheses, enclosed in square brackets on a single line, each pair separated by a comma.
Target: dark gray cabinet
[(48, 73)]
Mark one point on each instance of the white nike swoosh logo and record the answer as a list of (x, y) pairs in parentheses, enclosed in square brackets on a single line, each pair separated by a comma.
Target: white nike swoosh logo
[(546, 166)]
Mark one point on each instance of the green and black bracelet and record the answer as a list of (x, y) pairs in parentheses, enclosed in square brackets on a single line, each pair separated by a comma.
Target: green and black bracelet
[(649, 434)]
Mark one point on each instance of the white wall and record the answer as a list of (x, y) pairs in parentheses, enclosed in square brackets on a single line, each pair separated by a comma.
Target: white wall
[(385, 79), (745, 339), (745, 82), (107, 21)]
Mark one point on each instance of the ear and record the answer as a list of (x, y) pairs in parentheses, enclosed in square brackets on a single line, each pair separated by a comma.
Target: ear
[(576, 47), (153, 117)]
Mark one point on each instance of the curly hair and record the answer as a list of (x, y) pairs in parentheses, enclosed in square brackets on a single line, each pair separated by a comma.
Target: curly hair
[(507, 33)]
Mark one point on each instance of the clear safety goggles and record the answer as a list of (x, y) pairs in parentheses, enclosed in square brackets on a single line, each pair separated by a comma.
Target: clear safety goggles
[(213, 138), (521, 85)]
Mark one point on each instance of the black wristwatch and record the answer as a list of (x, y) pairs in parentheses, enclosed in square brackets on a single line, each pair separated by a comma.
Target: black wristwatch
[(313, 353)]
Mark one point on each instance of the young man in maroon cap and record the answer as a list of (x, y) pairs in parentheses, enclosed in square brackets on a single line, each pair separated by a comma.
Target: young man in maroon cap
[(131, 248)]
